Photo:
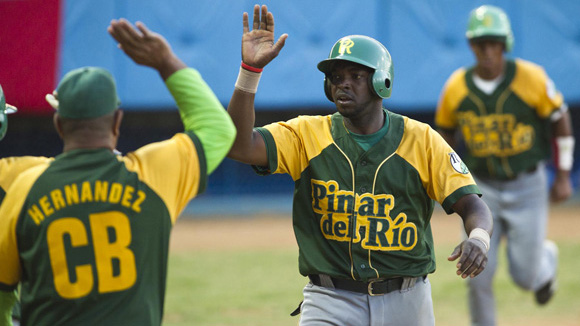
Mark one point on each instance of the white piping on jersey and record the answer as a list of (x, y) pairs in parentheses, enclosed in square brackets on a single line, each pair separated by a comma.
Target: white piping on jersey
[(353, 210)]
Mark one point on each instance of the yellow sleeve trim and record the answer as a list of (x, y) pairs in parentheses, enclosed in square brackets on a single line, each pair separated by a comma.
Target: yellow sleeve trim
[(426, 151), (171, 168), (295, 145), (9, 213), (533, 86), (11, 167), (454, 91)]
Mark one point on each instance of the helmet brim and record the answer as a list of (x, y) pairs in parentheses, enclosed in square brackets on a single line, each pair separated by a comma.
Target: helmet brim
[(326, 65)]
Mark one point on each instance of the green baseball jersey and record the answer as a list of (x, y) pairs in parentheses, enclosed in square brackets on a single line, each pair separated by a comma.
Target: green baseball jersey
[(365, 214), (11, 167), (507, 131), (87, 235)]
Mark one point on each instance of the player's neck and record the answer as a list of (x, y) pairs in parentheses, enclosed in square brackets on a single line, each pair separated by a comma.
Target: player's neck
[(89, 142), (366, 125), (490, 72)]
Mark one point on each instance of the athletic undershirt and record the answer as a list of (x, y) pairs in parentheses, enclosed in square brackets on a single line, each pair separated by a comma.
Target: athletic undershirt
[(487, 86)]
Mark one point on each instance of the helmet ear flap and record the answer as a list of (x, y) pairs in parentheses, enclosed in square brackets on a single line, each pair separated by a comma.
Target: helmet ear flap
[(381, 83), (3, 124), (327, 91)]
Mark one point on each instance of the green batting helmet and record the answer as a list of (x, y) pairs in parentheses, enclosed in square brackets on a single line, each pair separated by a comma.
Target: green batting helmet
[(4, 109), (489, 22), (368, 52)]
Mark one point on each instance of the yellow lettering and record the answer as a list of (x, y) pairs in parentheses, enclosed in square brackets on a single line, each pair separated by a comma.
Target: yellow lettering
[(107, 251), (71, 193), (495, 134), (86, 192), (45, 205), (137, 203), (345, 46), (35, 213), (57, 199), (127, 196), (371, 224), (115, 194), (101, 190), (55, 236)]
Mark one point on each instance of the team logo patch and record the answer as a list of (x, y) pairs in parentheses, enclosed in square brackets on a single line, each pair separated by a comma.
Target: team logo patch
[(457, 163)]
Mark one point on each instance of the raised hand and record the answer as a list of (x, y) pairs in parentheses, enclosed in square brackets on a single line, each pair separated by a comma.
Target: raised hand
[(258, 47), (145, 47)]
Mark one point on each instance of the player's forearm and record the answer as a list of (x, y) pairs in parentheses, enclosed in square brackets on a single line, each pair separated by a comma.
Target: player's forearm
[(7, 300), (170, 66), (474, 213), (241, 110), (202, 113)]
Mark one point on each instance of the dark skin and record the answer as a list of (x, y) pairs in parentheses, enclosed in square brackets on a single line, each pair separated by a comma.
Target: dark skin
[(490, 64), (362, 112)]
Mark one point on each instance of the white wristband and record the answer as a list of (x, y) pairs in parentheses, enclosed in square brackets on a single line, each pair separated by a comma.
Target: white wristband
[(248, 80), (480, 234), (565, 152)]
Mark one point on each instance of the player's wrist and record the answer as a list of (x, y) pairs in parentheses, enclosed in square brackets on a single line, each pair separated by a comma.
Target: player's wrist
[(251, 68), (564, 153), (481, 235), (248, 78)]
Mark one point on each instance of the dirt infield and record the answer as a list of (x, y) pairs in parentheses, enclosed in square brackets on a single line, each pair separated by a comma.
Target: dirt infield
[(275, 231)]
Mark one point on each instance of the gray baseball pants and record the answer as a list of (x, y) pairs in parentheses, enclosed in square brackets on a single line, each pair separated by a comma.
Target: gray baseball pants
[(409, 307), (520, 212)]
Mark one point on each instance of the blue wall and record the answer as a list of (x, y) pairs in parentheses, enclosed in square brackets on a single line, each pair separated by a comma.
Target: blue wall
[(425, 38)]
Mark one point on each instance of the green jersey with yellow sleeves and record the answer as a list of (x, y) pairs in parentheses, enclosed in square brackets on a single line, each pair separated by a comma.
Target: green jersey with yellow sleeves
[(87, 234), (365, 214), (507, 131), (11, 167)]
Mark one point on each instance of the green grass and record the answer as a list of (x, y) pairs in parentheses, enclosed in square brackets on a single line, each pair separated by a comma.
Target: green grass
[(262, 287)]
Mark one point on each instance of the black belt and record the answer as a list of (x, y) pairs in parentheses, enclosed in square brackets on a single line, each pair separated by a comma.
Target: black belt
[(374, 287)]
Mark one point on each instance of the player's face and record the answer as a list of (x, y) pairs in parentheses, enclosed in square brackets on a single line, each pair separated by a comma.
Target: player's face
[(350, 88), (489, 56)]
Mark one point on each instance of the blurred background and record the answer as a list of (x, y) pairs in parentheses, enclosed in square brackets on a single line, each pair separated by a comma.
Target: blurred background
[(41, 40)]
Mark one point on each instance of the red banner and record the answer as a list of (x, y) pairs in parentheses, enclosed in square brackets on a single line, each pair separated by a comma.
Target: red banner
[(29, 43)]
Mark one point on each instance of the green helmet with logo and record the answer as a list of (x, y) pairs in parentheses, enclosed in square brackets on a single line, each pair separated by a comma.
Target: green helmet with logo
[(4, 109), (366, 51), (489, 22)]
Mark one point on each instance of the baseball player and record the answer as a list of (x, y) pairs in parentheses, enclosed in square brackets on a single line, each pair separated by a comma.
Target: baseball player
[(87, 234), (365, 180), (10, 168), (506, 112)]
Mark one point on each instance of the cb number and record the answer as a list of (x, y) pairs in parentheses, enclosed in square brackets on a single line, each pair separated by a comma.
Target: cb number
[(105, 253)]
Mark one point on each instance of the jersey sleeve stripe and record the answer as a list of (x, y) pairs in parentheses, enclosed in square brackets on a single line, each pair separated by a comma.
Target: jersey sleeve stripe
[(272, 153), (454, 197), (203, 177)]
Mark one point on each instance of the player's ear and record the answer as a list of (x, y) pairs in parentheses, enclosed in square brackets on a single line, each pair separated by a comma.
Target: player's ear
[(57, 124), (117, 118)]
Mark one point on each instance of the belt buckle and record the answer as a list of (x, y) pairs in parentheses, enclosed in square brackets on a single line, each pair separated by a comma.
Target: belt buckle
[(370, 288)]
